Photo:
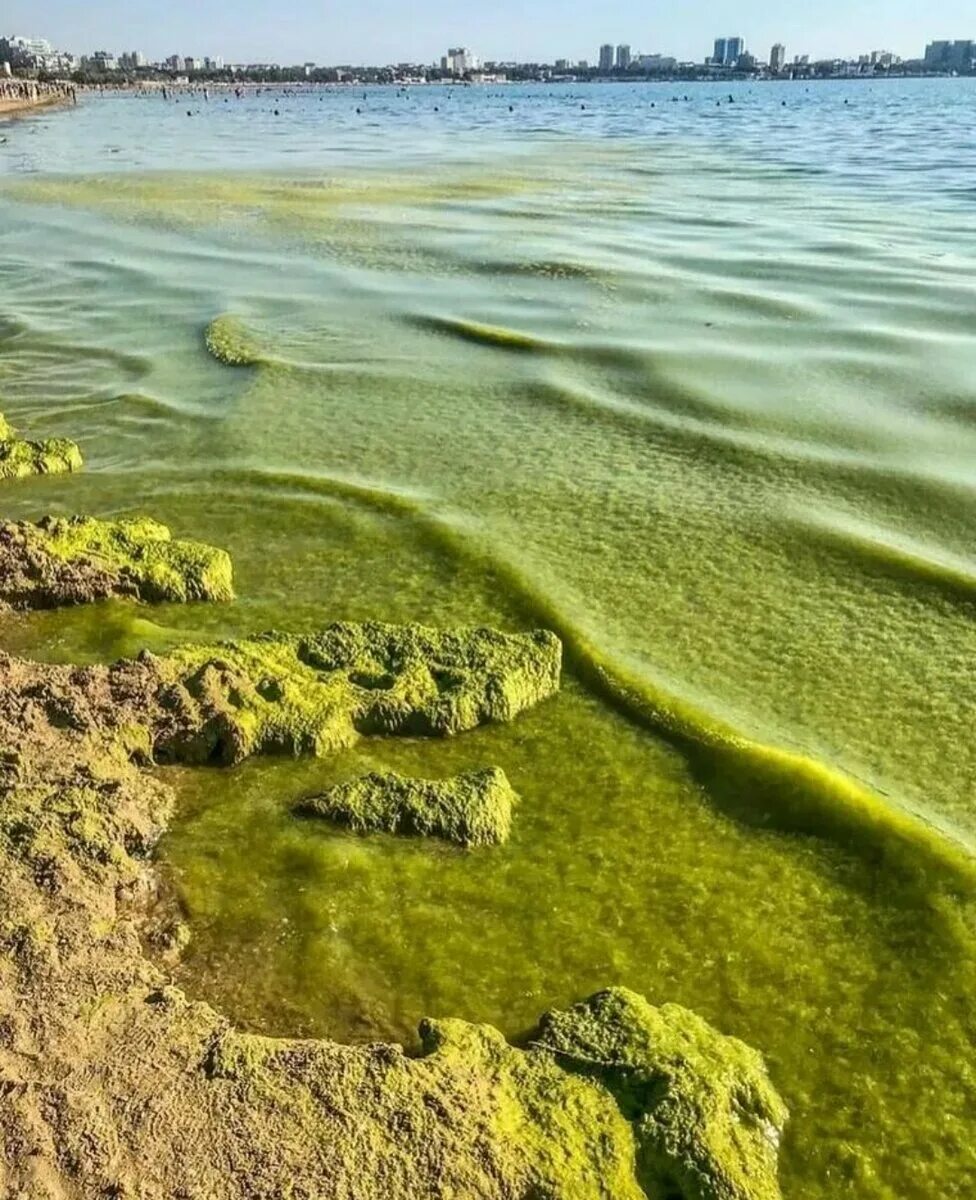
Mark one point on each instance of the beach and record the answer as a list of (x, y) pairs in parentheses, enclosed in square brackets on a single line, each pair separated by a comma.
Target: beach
[(670, 384)]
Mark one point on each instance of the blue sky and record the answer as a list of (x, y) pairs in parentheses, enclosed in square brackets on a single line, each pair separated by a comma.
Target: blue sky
[(381, 31)]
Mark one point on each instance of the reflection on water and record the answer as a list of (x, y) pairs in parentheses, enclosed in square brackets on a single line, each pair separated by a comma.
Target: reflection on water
[(693, 383)]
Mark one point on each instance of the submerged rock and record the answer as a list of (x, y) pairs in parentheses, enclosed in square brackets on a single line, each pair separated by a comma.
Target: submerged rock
[(706, 1117), (474, 808), (76, 560), (317, 694), (20, 458), (230, 341)]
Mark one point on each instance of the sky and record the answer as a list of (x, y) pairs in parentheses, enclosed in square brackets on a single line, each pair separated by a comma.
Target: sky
[(387, 31)]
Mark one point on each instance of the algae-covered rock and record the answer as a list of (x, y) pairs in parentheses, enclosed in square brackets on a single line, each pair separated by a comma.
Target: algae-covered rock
[(231, 342), (319, 693), (473, 808), (76, 560), (706, 1117), (20, 458), (565, 1136)]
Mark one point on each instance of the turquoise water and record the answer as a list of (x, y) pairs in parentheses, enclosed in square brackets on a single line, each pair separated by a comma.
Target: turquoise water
[(690, 381)]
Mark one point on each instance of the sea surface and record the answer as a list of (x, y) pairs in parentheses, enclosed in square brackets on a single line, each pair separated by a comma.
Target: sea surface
[(685, 372)]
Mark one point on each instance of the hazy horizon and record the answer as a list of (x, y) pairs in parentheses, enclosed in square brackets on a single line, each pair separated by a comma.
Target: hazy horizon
[(384, 32)]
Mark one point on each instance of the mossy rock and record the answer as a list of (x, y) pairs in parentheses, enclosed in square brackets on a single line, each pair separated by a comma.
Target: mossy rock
[(473, 808), (20, 458), (318, 694), (562, 1133), (706, 1117), (230, 341), (76, 560)]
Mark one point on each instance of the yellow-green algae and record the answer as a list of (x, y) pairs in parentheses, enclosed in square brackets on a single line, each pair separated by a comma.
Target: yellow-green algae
[(707, 1119), (660, 536), (230, 341), (134, 556), (318, 694), (473, 808), (20, 458), (778, 787)]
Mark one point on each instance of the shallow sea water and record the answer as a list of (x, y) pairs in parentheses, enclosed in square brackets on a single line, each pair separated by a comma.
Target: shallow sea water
[(690, 381)]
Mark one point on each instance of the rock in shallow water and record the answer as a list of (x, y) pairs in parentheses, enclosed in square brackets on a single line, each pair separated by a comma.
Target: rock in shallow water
[(473, 808), (75, 560), (281, 693), (707, 1120), (20, 458)]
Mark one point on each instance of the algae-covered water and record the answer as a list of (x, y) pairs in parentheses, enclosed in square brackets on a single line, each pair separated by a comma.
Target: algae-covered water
[(691, 382)]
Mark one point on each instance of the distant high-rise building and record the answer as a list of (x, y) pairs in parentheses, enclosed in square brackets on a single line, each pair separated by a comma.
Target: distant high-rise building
[(728, 51), (459, 61), (963, 56), (583, 65), (777, 58), (606, 57), (950, 56), (623, 58)]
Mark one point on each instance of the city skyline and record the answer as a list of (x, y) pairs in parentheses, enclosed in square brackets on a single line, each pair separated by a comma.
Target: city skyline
[(382, 33)]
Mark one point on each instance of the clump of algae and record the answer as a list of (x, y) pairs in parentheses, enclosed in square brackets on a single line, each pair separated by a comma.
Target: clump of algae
[(20, 458), (473, 808), (319, 693), (230, 341), (706, 1117), (78, 559)]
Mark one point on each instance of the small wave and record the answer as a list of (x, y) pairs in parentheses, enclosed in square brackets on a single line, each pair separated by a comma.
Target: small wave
[(902, 558), (485, 335)]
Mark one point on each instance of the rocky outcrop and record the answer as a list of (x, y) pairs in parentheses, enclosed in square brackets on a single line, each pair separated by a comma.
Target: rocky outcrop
[(20, 458), (316, 694), (472, 809), (706, 1119), (75, 560)]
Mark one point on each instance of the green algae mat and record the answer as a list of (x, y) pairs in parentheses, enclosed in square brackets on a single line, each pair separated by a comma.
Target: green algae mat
[(731, 473)]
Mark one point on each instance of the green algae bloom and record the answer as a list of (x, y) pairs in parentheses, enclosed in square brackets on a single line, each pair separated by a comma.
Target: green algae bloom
[(79, 559), (230, 341), (473, 808), (318, 694), (706, 1117)]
